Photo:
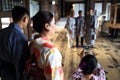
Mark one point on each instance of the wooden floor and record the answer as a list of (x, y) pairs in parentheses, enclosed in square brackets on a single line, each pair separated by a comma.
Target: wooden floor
[(106, 51)]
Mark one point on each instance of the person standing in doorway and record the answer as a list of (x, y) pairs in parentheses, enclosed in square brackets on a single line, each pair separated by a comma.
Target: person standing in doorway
[(91, 27), (14, 50), (70, 26), (79, 28)]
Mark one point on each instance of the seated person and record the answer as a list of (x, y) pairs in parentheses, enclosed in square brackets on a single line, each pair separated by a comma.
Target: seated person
[(89, 69)]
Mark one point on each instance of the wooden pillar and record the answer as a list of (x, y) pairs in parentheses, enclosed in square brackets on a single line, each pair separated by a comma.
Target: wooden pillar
[(68, 7), (104, 6), (0, 24), (45, 5), (62, 10), (89, 4), (28, 30), (114, 31), (114, 1), (0, 5), (59, 8)]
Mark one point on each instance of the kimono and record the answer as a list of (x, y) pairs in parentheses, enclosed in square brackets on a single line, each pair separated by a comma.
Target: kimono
[(91, 25), (79, 29), (70, 30), (47, 60), (98, 74)]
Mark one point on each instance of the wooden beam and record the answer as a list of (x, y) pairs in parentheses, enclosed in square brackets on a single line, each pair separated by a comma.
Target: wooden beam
[(5, 14), (113, 25)]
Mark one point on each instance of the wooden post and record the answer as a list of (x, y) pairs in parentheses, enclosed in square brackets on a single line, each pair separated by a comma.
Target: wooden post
[(104, 6), (0, 24), (115, 15), (114, 31), (28, 30), (0, 5), (114, 1), (89, 4), (45, 5)]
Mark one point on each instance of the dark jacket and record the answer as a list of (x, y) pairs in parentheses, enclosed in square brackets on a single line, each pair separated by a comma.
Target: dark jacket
[(13, 52)]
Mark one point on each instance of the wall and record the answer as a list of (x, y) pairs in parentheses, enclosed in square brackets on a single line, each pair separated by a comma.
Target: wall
[(34, 8), (78, 7), (98, 8)]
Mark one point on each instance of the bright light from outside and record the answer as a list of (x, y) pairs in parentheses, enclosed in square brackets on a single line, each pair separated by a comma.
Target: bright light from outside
[(5, 22), (53, 2), (73, 6)]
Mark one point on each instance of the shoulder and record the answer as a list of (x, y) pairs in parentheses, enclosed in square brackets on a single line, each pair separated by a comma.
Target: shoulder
[(77, 74), (54, 51)]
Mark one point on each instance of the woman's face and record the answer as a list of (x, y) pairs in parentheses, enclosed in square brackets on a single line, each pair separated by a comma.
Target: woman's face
[(52, 27)]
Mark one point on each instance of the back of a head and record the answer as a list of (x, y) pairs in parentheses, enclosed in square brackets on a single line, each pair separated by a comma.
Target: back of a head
[(40, 19), (88, 64), (79, 11), (18, 12)]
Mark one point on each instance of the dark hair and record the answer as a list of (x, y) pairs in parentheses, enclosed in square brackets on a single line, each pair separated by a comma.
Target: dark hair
[(40, 19), (88, 64), (18, 12), (90, 9), (79, 11)]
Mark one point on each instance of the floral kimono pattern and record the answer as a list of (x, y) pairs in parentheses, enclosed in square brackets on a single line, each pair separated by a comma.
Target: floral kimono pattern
[(98, 74), (47, 60)]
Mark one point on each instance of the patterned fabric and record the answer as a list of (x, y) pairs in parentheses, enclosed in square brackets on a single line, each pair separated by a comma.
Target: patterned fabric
[(98, 74), (79, 26), (47, 60), (91, 25)]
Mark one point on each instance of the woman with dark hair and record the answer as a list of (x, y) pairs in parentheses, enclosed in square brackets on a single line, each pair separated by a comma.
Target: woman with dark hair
[(47, 58), (89, 69)]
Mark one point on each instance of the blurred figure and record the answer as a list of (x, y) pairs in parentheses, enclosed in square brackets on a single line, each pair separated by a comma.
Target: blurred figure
[(46, 58), (89, 68), (70, 26), (14, 46), (79, 28), (91, 27)]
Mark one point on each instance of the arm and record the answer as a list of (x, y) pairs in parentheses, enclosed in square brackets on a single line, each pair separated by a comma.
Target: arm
[(20, 55), (56, 70), (70, 25)]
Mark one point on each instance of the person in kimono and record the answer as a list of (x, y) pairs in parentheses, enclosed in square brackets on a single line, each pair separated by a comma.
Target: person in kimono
[(91, 27), (46, 58), (89, 69), (70, 26), (14, 50), (79, 29)]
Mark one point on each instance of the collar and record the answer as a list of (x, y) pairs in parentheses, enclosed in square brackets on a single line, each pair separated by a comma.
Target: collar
[(18, 27)]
